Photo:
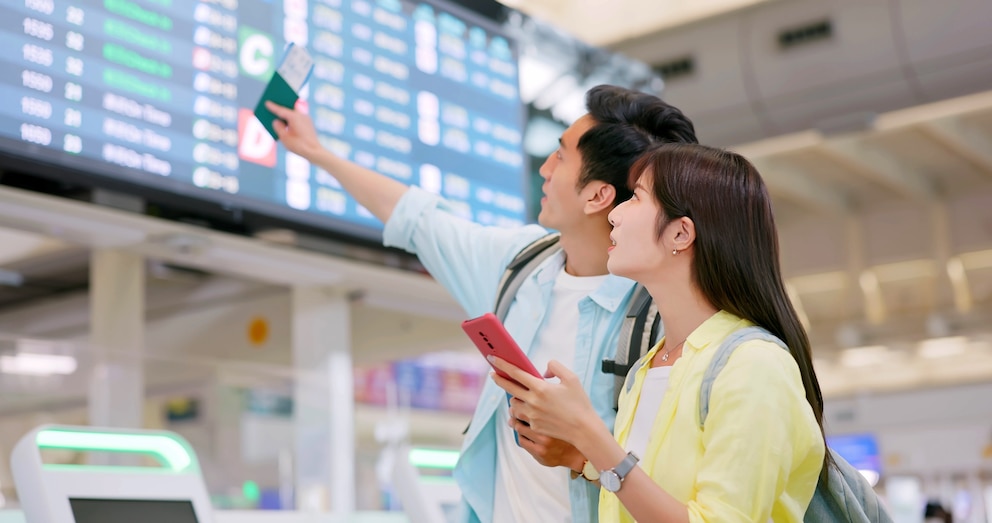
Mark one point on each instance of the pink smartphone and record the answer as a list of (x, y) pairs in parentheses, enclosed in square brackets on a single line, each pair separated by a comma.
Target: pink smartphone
[(490, 337)]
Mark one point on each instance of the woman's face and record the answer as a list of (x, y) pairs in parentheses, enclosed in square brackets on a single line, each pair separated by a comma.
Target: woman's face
[(637, 249)]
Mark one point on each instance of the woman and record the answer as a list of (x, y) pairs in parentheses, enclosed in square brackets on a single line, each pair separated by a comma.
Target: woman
[(699, 235)]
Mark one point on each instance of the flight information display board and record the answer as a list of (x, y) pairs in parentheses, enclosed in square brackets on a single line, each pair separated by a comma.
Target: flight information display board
[(160, 93)]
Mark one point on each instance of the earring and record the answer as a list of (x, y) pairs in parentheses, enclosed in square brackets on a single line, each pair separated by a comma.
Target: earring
[(675, 252)]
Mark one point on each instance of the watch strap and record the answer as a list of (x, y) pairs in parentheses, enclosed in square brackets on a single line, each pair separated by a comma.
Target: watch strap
[(625, 466)]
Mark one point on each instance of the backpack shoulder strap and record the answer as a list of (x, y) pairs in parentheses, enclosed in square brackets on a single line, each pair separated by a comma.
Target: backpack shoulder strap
[(520, 266), (719, 361), (640, 329), (631, 333), (523, 264)]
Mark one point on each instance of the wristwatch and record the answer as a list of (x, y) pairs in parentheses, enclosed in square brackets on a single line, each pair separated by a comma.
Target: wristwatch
[(612, 479), (588, 472)]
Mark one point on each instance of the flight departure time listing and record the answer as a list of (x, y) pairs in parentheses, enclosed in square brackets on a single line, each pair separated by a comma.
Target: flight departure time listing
[(164, 89)]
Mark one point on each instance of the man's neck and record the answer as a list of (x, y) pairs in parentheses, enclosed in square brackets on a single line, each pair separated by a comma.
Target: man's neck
[(586, 252)]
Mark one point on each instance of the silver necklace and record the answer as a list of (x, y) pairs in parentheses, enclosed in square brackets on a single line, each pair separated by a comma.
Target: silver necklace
[(664, 356)]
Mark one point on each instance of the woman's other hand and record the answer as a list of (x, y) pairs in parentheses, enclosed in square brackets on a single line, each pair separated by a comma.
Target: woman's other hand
[(556, 408)]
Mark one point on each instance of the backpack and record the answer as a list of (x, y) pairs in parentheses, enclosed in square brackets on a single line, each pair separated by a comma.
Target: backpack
[(846, 495), (636, 336)]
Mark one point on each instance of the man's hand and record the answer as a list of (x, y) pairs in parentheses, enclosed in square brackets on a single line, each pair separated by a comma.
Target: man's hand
[(295, 130), (376, 192), (548, 451)]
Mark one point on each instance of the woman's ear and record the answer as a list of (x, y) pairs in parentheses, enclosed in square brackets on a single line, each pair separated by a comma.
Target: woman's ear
[(685, 233), (600, 197)]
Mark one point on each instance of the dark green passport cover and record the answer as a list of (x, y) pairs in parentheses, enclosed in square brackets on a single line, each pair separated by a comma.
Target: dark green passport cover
[(279, 92)]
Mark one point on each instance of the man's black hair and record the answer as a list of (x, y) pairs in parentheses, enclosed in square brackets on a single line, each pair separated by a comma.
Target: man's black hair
[(627, 122)]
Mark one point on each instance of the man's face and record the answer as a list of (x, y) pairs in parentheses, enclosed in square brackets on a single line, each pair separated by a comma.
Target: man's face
[(564, 201)]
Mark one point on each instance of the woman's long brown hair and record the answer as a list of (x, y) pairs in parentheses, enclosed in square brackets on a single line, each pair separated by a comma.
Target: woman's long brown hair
[(736, 253)]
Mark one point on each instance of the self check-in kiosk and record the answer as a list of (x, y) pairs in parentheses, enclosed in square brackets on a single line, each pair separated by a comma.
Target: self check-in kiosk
[(173, 492)]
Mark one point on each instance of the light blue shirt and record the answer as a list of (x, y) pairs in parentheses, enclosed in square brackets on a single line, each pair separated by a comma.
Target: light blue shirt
[(469, 259)]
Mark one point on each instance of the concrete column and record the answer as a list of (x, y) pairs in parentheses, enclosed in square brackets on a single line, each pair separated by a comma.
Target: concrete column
[(117, 342), (979, 510), (323, 408)]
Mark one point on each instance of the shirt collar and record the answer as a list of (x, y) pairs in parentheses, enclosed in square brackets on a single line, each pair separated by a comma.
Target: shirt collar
[(715, 328), (548, 271), (612, 292), (609, 295)]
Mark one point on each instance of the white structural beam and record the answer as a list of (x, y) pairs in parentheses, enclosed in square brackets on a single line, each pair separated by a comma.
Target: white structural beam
[(966, 141), (853, 154), (790, 183), (920, 114), (778, 145), (100, 227)]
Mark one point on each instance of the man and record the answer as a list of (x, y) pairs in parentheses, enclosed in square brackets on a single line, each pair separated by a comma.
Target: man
[(569, 309)]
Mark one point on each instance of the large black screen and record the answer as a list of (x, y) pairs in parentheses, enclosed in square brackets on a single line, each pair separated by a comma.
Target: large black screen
[(132, 511), (160, 93)]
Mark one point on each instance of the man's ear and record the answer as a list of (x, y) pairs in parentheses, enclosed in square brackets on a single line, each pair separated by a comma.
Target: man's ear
[(600, 197)]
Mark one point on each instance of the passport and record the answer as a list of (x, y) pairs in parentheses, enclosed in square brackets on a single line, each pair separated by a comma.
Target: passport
[(284, 87)]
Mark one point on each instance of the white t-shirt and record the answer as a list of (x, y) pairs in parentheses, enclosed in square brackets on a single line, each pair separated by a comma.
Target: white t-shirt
[(526, 490), (655, 385)]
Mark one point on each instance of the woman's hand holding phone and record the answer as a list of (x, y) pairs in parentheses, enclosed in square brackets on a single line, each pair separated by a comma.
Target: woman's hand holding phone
[(559, 410)]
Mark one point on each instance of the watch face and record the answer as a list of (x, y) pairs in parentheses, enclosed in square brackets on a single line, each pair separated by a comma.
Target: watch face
[(610, 481)]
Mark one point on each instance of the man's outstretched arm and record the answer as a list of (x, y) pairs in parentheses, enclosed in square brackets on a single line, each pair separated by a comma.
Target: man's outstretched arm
[(376, 192)]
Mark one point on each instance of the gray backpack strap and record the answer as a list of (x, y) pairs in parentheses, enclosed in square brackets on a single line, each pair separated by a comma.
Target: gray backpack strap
[(640, 330), (719, 361), (524, 263)]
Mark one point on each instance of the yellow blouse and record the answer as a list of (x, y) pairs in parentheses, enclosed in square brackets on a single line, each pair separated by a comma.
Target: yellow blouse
[(761, 452)]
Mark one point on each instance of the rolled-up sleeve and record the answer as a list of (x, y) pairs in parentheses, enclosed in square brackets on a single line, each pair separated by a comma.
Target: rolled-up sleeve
[(468, 259), (761, 441)]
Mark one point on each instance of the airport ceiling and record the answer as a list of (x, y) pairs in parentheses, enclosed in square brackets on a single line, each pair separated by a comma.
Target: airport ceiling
[(606, 22)]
